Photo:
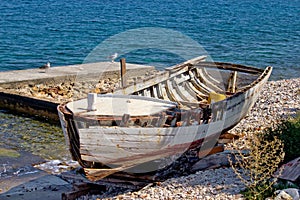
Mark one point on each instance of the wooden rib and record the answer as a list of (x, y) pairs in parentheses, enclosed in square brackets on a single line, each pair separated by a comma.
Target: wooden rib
[(146, 92), (187, 94), (151, 89), (179, 83), (164, 93), (179, 92), (140, 93), (172, 95), (161, 77), (212, 82), (232, 82), (213, 79), (190, 105), (125, 120), (199, 85), (204, 86), (159, 91), (155, 91), (203, 75), (190, 88)]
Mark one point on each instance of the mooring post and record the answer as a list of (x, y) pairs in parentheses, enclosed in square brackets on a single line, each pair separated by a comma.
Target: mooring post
[(123, 72), (92, 99)]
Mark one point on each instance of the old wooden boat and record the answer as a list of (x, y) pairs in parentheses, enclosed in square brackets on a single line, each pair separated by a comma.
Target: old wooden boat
[(145, 126)]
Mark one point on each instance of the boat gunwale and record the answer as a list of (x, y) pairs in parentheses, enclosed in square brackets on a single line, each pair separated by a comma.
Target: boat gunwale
[(108, 117), (189, 65)]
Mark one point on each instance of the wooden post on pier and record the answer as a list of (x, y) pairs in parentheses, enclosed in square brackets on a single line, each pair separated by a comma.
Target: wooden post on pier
[(123, 72)]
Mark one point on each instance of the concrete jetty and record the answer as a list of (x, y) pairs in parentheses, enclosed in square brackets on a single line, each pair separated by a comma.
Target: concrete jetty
[(12, 82)]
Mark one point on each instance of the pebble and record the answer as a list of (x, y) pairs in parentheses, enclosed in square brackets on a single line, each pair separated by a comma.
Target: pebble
[(289, 193), (278, 100), (202, 185), (282, 195)]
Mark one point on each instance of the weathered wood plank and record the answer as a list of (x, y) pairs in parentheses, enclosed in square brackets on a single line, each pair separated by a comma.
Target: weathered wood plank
[(232, 82), (200, 86), (123, 72), (133, 105), (127, 158), (207, 80), (179, 93), (172, 93), (190, 62), (188, 96), (214, 150), (189, 87), (98, 174), (175, 71), (230, 66), (164, 92), (125, 120), (290, 171), (139, 86), (147, 92), (122, 143)]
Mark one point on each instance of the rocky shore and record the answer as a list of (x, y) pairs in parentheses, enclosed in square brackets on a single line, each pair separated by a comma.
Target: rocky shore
[(278, 100), (69, 90)]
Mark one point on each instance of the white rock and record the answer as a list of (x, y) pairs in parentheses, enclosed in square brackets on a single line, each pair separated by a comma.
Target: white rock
[(282, 195)]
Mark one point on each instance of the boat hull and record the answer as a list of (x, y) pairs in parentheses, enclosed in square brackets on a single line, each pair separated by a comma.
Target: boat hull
[(104, 150)]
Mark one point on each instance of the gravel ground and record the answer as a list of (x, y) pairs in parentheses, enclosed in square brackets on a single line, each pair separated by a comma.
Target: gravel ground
[(278, 100), (210, 184)]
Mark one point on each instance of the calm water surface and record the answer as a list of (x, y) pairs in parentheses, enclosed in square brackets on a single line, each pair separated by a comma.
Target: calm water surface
[(24, 133), (256, 32)]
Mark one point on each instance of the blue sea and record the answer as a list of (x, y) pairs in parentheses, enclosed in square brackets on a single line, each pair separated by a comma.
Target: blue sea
[(161, 33), (256, 32)]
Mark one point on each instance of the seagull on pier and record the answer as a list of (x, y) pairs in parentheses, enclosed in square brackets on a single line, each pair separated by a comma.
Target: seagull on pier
[(113, 57), (45, 66)]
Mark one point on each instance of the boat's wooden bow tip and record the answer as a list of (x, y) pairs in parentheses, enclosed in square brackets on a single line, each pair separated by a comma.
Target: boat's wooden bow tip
[(98, 174), (94, 174)]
